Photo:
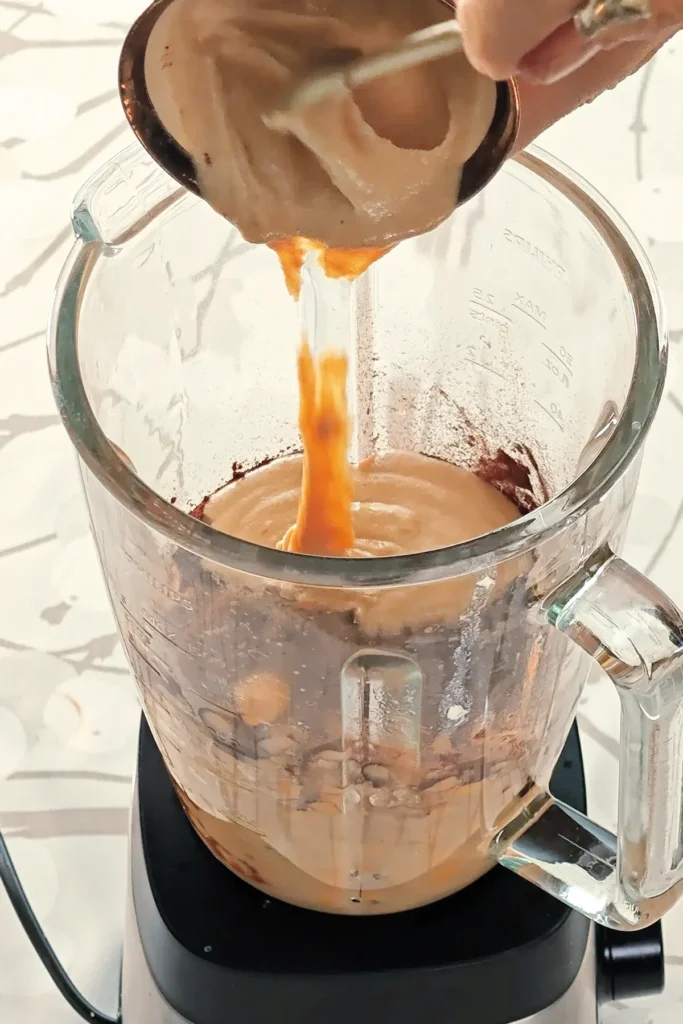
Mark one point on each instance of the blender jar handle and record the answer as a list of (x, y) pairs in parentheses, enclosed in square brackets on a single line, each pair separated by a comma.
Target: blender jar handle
[(635, 633)]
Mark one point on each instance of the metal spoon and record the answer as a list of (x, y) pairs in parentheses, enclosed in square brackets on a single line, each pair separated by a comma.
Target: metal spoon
[(437, 41)]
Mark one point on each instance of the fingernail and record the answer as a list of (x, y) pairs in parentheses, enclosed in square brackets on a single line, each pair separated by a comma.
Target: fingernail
[(544, 71)]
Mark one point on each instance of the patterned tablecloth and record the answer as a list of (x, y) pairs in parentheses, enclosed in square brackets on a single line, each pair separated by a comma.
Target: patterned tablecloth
[(65, 777)]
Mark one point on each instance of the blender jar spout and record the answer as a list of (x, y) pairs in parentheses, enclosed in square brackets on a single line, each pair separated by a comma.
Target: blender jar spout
[(630, 880)]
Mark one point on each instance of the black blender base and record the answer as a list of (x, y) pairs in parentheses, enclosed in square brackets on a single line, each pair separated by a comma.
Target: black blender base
[(204, 947)]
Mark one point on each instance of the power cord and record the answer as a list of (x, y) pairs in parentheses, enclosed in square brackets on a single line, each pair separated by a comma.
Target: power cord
[(39, 941)]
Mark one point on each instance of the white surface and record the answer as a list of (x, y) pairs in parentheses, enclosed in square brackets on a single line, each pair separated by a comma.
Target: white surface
[(65, 776)]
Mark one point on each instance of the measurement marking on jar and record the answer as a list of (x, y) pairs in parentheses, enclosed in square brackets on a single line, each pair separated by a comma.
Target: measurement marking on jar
[(490, 309), (142, 657), (483, 366), (531, 316), (192, 649), (554, 412), (562, 357)]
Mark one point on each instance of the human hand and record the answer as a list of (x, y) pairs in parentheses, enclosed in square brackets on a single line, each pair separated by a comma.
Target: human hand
[(557, 68)]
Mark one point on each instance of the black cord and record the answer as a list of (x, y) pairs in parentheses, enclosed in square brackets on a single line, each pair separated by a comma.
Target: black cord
[(39, 941)]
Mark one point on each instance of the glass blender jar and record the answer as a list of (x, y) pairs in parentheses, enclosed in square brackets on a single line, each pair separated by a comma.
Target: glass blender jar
[(362, 736)]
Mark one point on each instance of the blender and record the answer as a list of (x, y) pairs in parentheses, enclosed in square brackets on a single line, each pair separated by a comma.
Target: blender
[(304, 761)]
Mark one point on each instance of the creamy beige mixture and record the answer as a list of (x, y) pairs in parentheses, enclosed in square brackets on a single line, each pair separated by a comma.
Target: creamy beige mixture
[(403, 503), (344, 855), (361, 821), (368, 169), (337, 828)]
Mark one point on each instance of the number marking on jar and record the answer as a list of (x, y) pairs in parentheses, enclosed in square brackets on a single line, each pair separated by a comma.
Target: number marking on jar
[(554, 412), (556, 372), (483, 309), (472, 354)]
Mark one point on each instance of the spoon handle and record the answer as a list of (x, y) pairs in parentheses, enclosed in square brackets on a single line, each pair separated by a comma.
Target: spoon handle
[(428, 44)]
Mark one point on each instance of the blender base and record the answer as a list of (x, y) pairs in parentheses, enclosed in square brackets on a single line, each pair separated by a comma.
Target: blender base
[(204, 947)]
